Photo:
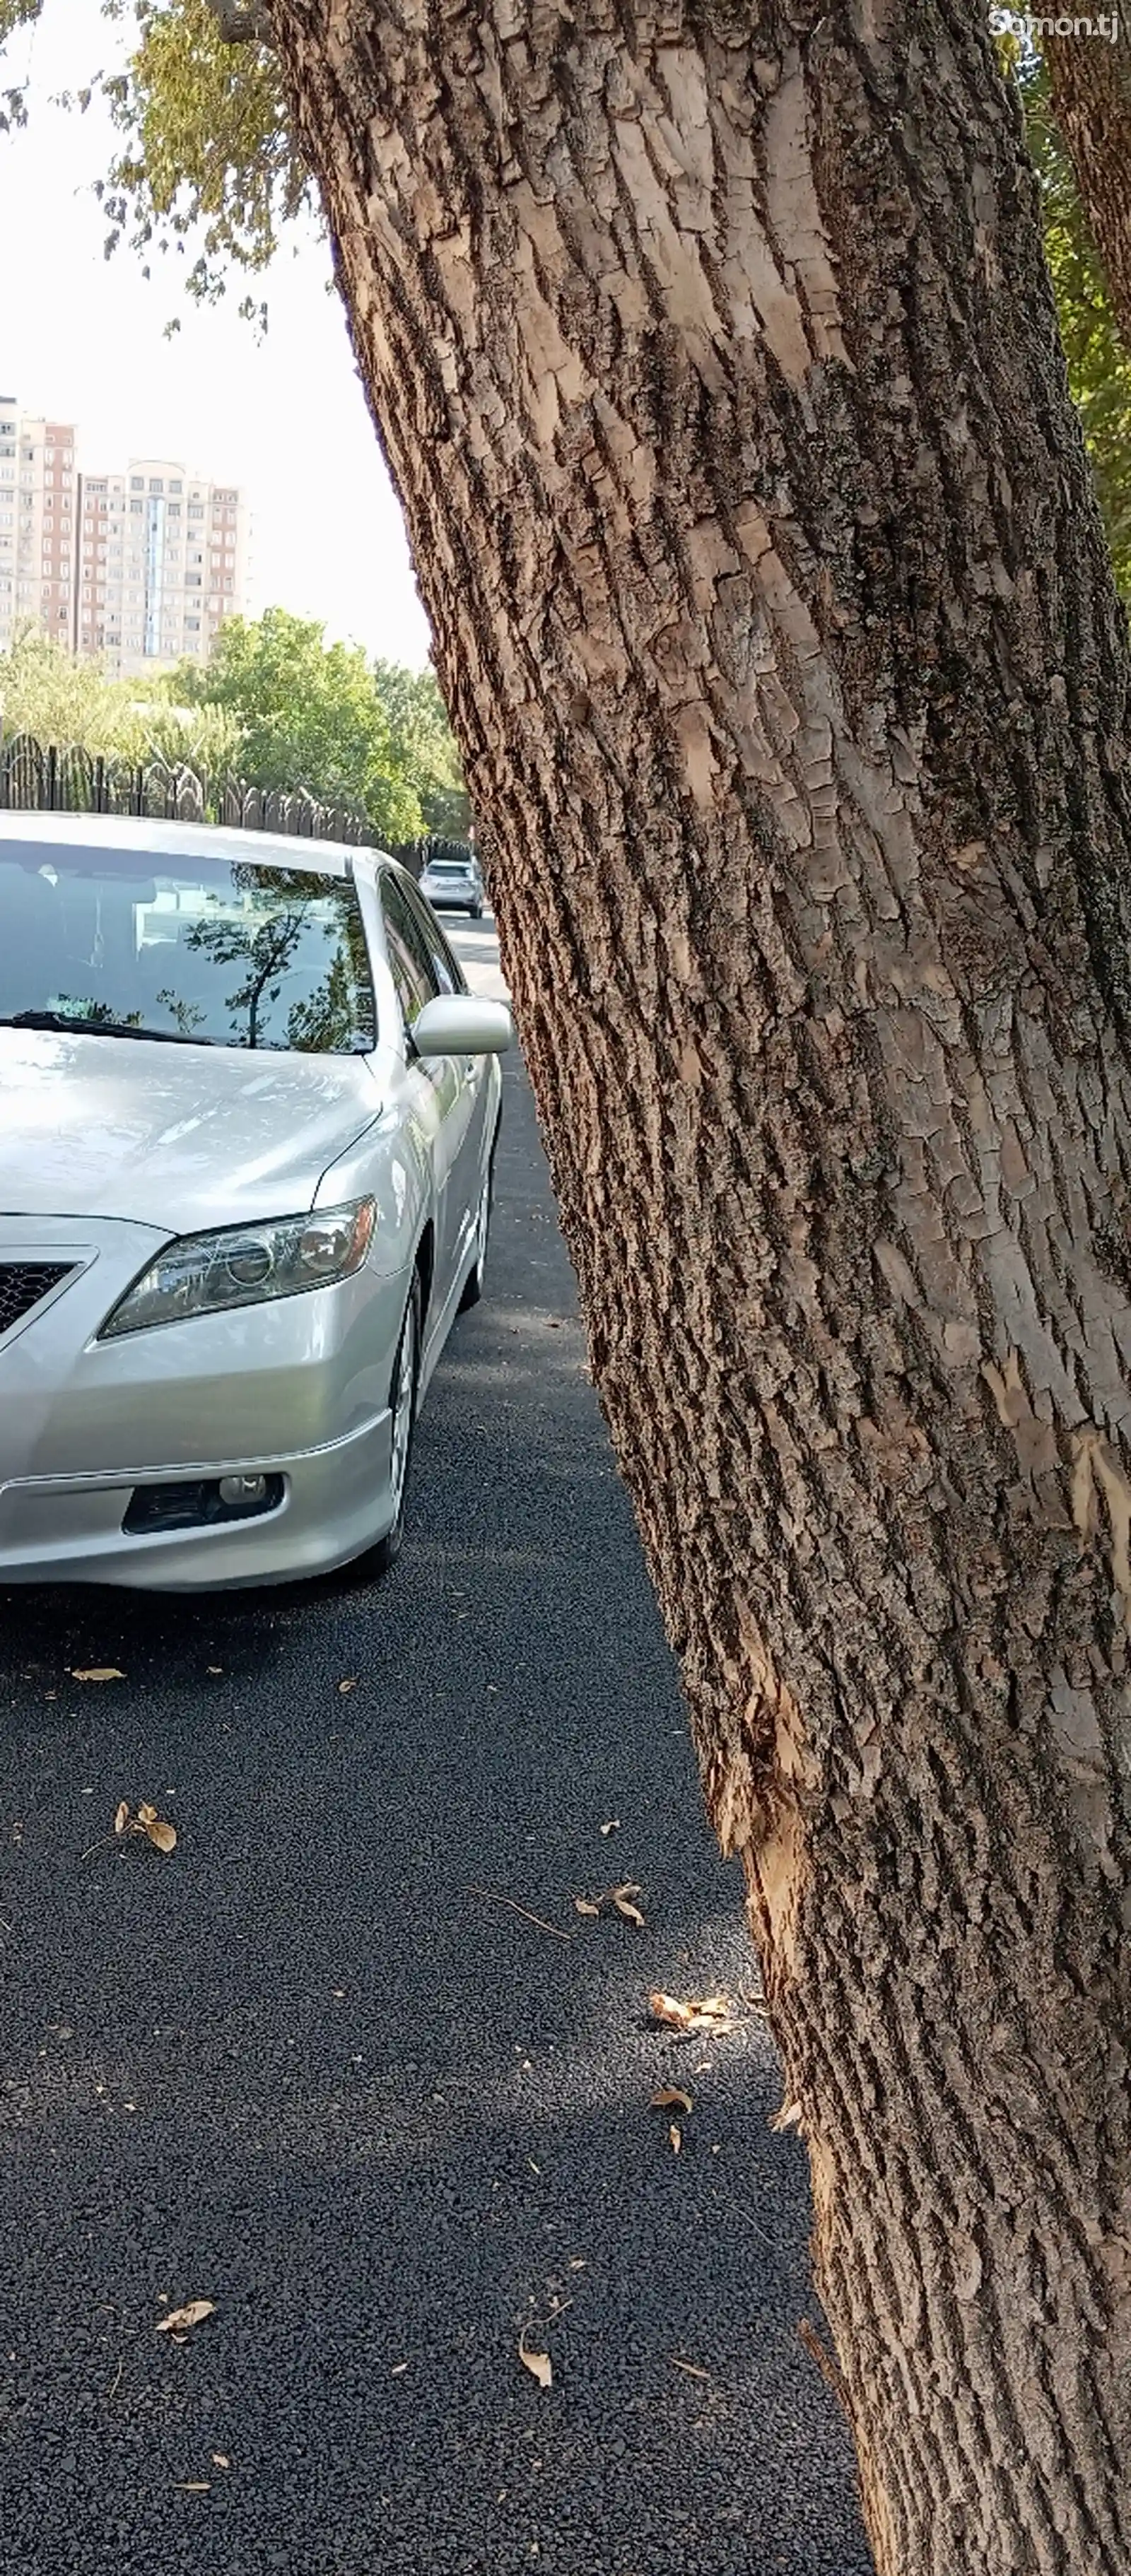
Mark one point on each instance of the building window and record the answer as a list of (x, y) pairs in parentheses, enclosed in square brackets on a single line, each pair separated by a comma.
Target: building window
[(157, 483), (137, 482)]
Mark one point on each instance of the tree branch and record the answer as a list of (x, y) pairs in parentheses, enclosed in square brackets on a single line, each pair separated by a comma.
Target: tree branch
[(242, 22)]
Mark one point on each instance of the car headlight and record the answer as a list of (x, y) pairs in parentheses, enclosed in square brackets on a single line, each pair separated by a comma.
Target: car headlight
[(203, 1274)]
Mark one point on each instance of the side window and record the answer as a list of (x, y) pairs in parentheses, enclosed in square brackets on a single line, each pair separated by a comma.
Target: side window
[(445, 966), (412, 969)]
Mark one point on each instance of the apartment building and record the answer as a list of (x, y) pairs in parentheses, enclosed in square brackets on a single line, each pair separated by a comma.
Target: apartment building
[(38, 518), (161, 560), (137, 570)]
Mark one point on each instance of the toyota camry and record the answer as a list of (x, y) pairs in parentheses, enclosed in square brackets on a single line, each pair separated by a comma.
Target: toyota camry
[(248, 1112)]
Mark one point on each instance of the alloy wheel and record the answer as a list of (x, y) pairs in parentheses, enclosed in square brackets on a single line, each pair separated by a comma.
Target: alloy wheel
[(403, 1393)]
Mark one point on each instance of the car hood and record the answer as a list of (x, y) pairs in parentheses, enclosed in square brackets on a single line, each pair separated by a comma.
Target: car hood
[(170, 1136)]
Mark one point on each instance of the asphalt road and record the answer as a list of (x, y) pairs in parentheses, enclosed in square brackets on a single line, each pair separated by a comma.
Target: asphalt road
[(386, 2125)]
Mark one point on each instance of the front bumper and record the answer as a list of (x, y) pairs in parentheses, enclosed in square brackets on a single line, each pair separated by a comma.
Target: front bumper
[(335, 1504), (297, 1389)]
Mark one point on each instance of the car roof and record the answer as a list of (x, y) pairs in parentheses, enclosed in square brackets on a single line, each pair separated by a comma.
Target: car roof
[(130, 835)]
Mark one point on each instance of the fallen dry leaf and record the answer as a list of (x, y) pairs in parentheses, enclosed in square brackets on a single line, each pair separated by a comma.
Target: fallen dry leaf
[(667, 2008), (691, 2367), (179, 2320), (670, 2097), (193, 2486), (220, 2460), (788, 2117), (537, 2363), (613, 1827), (213, 1668), (397, 2368), (350, 1683), (147, 1822), (689, 2016), (675, 2134), (621, 1898), (96, 1673)]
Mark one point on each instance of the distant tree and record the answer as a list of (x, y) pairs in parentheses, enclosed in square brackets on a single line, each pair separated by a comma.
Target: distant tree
[(1097, 341), (46, 691), (310, 715), (274, 702), (1089, 77), (424, 745)]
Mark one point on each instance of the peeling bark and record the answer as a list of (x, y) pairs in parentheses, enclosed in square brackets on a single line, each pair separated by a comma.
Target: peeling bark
[(719, 377), (1090, 88)]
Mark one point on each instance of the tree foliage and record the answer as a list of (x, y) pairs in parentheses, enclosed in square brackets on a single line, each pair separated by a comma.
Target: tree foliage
[(320, 716), (14, 14), (207, 155), (275, 702), (423, 746), (46, 692), (207, 158)]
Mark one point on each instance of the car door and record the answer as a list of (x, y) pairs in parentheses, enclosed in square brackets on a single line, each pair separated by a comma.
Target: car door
[(445, 1098), (479, 1073)]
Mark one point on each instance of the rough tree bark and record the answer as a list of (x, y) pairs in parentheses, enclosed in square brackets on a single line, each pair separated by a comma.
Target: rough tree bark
[(1090, 87), (719, 377)]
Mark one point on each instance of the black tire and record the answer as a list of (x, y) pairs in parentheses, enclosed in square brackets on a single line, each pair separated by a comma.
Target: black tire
[(477, 912), (473, 1284), (377, 1560)]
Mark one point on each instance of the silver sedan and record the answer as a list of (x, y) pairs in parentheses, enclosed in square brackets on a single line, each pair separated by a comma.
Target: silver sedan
[(249, 1112)]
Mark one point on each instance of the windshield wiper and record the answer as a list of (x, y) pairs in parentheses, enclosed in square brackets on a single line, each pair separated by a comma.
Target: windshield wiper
[(97, 1028)]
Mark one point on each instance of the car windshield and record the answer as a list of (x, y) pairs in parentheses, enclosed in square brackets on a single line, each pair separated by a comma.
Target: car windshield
[(449, 867), (215, 952)]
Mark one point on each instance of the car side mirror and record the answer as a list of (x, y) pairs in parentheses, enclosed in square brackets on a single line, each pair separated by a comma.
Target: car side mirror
[(462, 1024)]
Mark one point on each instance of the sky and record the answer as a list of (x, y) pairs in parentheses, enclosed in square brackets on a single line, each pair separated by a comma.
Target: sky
[(82, 339)]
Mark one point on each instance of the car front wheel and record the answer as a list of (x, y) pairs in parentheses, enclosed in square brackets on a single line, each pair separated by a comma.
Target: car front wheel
[(402, 1408), (473, 1284)]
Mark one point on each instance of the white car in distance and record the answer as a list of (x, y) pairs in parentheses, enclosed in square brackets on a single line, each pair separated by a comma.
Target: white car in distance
[(248, 1114)]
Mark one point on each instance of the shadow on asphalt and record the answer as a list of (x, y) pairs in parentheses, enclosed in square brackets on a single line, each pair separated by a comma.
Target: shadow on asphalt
[(383, 2122)]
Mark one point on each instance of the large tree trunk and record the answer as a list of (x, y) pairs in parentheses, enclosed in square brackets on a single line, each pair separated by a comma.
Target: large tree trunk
[(1090, 87), (720, 382)]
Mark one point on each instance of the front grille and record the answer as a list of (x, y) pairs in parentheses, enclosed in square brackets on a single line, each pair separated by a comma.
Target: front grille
[(24, 1283)]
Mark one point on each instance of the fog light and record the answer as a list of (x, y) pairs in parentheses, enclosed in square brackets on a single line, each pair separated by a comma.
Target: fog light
[(241, 1491)]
